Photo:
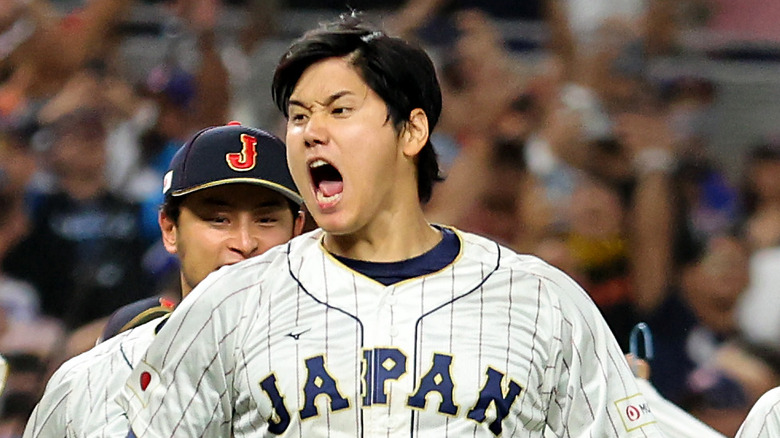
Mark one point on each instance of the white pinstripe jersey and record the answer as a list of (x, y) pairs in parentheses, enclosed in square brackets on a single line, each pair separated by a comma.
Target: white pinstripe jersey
[(79, 400), (763, 421), (295, 344)]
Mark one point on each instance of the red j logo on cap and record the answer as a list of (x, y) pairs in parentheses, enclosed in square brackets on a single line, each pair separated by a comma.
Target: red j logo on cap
[(247, 158)]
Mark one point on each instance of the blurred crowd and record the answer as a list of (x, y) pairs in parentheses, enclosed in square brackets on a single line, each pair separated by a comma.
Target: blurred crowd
[(566, 147)]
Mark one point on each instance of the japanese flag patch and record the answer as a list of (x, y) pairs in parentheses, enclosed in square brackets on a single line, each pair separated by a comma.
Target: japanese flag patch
[(143, 381)]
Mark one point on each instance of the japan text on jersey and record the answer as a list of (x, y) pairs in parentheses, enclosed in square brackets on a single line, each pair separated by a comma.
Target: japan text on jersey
[(293, 343)]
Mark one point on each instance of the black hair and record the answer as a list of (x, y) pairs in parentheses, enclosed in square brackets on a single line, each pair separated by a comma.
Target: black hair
[(171, 207), (402, 74)]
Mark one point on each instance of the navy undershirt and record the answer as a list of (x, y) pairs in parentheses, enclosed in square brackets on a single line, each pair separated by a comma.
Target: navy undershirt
[(389, 273)]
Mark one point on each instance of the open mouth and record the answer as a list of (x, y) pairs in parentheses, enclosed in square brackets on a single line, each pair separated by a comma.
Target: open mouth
[(327, 180)]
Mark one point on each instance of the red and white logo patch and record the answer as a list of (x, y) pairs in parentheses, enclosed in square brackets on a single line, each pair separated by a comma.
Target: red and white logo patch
[(143, 382), (634, 412)]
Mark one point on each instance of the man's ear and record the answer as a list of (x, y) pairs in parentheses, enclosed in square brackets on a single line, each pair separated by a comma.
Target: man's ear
[(415, 133), (299, 222), (169, 232)]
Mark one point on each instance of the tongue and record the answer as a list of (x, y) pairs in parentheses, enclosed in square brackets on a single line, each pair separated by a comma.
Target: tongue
[(330, 188)]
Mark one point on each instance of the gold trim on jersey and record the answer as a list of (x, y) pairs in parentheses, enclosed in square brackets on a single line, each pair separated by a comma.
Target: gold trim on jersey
[(144, 317), (402, 282)]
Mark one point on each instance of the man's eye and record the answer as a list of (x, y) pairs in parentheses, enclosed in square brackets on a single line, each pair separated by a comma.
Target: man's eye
[(297, 117), (340, 110)]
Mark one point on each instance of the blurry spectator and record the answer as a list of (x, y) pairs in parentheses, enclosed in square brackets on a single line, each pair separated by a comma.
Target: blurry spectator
[(754, 366), (598, 243), (721, 391), (184, 98), (612, 193), (18, 162), (697, 318), (172, 91), (481, 152), (83, 253), (22, 328), (759, 313), (710, 203), (487, 181), (477, 149), (716, 399), (125, 114), (597, 197), (762, 196), (477, 72), (690, 99), (432, 20), (250, 61), (45, 47)]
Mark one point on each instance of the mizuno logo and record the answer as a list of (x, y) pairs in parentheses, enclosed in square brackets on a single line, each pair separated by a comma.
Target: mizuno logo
[(297, 335)]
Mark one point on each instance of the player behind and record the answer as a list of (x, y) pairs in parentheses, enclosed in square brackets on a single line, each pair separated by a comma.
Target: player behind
[(379, 323), (229, 196)]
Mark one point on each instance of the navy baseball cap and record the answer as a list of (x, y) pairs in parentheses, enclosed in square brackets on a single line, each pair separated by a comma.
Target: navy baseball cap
[(230, 154)]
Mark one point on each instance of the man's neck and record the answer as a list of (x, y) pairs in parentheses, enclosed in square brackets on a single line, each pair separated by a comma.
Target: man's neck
[(395, 243)]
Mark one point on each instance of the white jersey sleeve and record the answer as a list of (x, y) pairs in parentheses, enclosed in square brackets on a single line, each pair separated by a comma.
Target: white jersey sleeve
[(181, 387), (763, 421), (49, 417), (79, 399), (594, 392)]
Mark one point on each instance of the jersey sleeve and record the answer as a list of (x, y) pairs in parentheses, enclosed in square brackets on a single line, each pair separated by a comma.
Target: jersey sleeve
[(181, 385), (49, 417), (595, 392), (52, 415), (763, 421)]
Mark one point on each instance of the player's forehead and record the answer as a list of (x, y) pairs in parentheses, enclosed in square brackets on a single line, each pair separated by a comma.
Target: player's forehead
[(328, 80)]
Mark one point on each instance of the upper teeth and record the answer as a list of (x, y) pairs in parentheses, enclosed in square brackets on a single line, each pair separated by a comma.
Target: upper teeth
[(318, 163)]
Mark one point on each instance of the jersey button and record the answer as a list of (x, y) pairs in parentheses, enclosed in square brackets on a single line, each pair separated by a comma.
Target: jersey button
[(394, 331), (391, 300)]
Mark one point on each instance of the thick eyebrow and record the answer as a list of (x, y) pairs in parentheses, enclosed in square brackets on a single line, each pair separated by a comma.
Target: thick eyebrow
[(330, 99)]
